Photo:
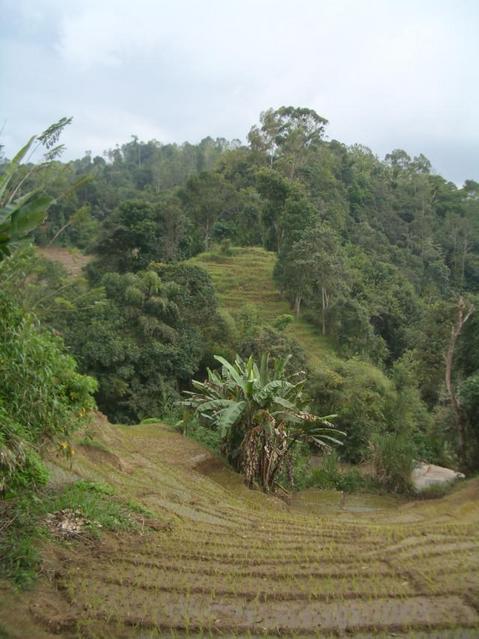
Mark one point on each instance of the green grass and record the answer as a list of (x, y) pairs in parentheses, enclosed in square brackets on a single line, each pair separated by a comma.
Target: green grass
[(20, 540), (90, 442), (246, 278)]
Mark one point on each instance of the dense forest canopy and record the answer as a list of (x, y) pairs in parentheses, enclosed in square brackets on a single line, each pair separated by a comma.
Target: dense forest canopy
[(380, 256)]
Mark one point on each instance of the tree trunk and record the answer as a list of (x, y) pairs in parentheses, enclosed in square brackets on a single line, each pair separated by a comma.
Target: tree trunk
[(464, 311), (207, 235), (60, 231), (324, 303), (297, 305)]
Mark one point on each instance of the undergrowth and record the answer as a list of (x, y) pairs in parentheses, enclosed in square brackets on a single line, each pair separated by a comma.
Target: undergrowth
[(24, 523), (329, 476), (205, 436)]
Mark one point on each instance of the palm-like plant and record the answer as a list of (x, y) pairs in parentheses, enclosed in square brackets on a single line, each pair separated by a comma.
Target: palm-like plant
[(20, 212), (260, 414)]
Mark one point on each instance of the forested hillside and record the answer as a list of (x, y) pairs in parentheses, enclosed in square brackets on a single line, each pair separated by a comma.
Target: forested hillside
[(302, 309), (373, 261)]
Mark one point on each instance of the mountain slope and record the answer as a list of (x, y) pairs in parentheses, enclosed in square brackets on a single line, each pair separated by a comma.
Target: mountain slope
[(246, 277)]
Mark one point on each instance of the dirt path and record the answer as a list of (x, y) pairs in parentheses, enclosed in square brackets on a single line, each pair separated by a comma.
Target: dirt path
[(230, 562)]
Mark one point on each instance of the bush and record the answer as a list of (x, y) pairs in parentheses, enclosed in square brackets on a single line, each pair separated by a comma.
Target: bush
[(204, 436), (360, 395), (329, 476), (393, 456), (282, 321), (20, 463), (42, 397)]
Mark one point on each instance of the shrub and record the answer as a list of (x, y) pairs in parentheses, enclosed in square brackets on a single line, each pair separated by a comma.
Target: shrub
[(330, 476), (282, 321), (205, 436), (42, 396), (393, 460)]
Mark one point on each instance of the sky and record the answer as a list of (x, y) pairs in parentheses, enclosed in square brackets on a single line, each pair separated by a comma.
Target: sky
[(385, 73)]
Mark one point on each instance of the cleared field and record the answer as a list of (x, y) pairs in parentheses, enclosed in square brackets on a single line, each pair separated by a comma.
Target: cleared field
[(216, 559), (246, 277), (72, 260)]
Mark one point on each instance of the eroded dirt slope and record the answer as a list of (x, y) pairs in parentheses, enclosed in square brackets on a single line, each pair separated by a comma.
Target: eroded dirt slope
[(218, 559)]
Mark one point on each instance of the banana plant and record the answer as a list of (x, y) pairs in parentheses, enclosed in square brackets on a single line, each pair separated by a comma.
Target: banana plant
[(260, 414), (21, 213)]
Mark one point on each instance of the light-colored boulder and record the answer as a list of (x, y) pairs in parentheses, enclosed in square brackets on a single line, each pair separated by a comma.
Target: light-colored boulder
[(426, 475)]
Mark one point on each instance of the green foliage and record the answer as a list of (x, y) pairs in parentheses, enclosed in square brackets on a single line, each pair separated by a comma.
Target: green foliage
[(282, 321), (368, 251), (148, 333), (312, 268), (264, 339), (96, 502), (19, 539), (393, 457), (42, 396), (20, 463), (205, 436), (130, 238), (360, 394), (260, 414), (22, 212), (329, 477), (286, 135), (407, 413)]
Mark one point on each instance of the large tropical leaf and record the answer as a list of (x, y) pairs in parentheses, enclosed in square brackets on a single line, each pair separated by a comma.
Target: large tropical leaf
[(30, 211), (231, 370), (269, 409), (11, 169), (268, 392), (230, 416)]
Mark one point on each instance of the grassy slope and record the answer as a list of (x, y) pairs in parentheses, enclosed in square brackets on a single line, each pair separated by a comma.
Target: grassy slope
[(217, 558), (246, 277)]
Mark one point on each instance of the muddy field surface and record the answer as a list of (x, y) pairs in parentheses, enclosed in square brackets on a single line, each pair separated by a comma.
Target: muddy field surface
[(216, 559)]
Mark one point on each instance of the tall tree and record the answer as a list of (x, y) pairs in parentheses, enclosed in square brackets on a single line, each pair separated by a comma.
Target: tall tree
[(464, 312), (285, 135), (314, 268)]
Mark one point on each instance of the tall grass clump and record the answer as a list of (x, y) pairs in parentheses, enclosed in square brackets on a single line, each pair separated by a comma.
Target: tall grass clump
[(392, 455)]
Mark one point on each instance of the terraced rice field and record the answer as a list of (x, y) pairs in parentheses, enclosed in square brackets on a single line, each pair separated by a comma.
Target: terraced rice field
[(246, 278), (216, 559)]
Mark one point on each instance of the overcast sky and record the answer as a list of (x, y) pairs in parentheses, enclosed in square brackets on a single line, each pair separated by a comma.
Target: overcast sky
[(385, 73)]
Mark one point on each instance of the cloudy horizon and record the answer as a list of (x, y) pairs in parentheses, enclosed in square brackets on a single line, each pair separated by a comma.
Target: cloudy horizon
[(386, 74)]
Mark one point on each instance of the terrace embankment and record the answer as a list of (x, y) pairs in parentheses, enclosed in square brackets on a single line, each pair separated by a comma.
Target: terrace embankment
[(215, 558)]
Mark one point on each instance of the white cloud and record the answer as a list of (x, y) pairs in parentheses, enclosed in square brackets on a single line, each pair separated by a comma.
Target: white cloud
[(386, 74)]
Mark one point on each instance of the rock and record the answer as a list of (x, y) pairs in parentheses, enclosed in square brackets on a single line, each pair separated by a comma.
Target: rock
[(426, 475)]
